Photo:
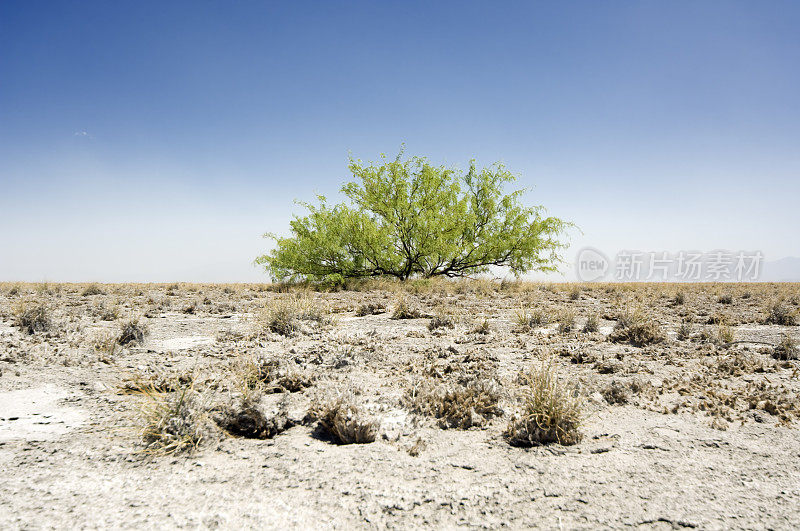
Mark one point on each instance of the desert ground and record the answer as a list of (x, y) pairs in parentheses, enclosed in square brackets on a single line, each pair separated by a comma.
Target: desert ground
[(447, 404)]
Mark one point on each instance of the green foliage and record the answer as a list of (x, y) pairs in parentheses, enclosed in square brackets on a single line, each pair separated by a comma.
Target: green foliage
[(409, 218)]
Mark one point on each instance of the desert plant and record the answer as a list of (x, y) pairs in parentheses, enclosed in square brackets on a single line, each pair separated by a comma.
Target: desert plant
[(615, 393), (725, 298), (132, 331), (592, 324), (32, 318), (370, 308), (345, 421), (680, 298), (575, 293), (550, 411), (530, 320), (779, 313), (442, 318), (685, 330), (724, 333), (174, 422), (634, 327), (404, 310), (482, 327), (271, 375), (287, 315), (251, 419), (786, 349), (92, 289), (409, 217), (566, 321), (456, 405)]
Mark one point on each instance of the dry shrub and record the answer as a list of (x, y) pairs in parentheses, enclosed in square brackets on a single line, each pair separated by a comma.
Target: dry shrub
[(575, 293), (679, 298), (685, 330), (592, 324), (725, 298), (345, 421), (442, 319), (174, 422), (786, 349), (637, 329), (250, 418), (404, 310), (615, 393), (566, 321), (132, 331), (533, 319), (105, 313), (272, 375), (371, 308), (779, 313), (481, 327), (288, 315), (92, 289), (550, 411), (738, 364), (32, 318), (457, 405)]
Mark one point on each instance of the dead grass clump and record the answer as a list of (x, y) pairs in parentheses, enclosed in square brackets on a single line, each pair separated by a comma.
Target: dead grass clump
[(175, 422), (132, 331), (32, 318), (575, 293), (105, 313), (530, 320), (592, 324), (725, 298), (442, 319), (481, 327), (685, 330), (92, 289), (273, 375), (287, 316), (786, 349), (779, 313), (550, 411), (566, 321), (404, 310), (635, 328), (251, 419), (370, 308), (345, 421), (680, 298), (456, 405), (615, 393)]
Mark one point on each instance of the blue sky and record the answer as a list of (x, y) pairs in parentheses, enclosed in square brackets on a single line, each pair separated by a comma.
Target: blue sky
[(156, 141)]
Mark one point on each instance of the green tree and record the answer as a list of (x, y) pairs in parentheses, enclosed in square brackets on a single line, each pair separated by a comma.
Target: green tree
[(410, 218)]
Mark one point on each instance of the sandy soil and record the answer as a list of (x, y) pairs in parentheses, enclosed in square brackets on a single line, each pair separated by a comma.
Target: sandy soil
[(705, 436)]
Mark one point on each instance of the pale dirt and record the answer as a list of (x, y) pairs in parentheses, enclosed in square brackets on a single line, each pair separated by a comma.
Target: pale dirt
[(70, 449)]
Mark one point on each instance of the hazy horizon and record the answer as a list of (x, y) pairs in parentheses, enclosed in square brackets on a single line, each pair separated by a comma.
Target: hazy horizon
[(157, 142)]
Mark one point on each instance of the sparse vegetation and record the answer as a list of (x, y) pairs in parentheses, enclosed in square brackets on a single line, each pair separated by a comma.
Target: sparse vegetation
[(550, 411), (345, 421), (779, 313), (174, 422), (457, 405), (634, 327), (132, 331), (32, 318)]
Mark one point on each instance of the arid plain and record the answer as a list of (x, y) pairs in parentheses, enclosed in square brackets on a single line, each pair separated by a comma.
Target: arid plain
[(470, 403)]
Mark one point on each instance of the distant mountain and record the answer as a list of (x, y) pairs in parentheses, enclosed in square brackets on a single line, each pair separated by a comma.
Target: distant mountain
[(783, 270)]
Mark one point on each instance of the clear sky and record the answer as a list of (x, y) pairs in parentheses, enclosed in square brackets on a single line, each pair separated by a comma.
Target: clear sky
[(156, 141)]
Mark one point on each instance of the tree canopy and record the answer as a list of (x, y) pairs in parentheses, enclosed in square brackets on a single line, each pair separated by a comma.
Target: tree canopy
[(406, 218)]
